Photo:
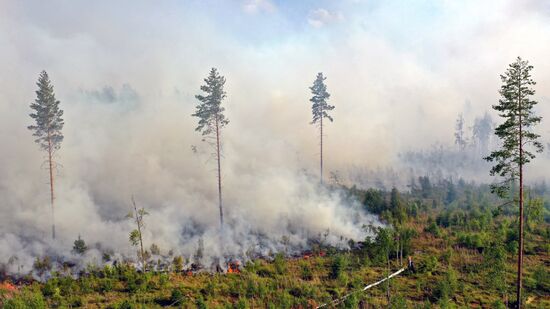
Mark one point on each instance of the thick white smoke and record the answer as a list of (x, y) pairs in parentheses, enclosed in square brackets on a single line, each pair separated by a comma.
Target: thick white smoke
[(118, 144), (126, 74)]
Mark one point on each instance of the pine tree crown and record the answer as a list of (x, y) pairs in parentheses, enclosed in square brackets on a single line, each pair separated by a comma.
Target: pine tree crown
[(47, 115), (209, 110), (319, 99)]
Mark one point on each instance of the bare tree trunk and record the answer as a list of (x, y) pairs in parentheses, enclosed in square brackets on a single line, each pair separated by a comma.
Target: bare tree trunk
[(321, 144), (52, 196), (520, 249), (401, 254), (219, 170), (397, 249), (138, 222), (388, 294)]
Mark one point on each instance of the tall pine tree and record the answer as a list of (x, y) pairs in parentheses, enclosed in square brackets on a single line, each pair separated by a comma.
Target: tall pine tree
[(47, 130), (516, 132), (212, 120), (320, 109)]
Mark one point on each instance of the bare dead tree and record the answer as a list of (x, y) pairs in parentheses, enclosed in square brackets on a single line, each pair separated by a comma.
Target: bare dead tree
[(136, 236)]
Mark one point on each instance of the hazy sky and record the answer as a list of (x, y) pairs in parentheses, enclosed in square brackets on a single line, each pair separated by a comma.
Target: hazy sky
[(423, 59)]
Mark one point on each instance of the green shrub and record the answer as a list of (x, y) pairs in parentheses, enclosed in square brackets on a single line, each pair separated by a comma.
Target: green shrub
[(67, 285), (125, 304), (498, 304), (473, 240), (397, 302), (280, 263), (242, 303), (433, 229), (106, 285), (428, 265), (339, 263), (176, 296), (75, 301), (86, 284), (200, 303), (541, 278), (109, 272), (163, 280), (447, 287), (250, 288), (177, 263), (352, 301), (50, 287), (26, 300), (264, 272), (252, 266), (137, 284), (306, 272)]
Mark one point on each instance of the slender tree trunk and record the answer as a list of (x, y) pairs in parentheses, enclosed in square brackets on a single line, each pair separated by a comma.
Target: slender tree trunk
[(138, 223), (52, 196), (401, 253), (321, 145), (520, 249), (388, 293), (397, 249), (219, 170)]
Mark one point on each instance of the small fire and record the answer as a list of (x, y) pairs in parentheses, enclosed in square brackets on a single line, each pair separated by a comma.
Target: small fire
[(233, 268), (7, 287), (308, 254)]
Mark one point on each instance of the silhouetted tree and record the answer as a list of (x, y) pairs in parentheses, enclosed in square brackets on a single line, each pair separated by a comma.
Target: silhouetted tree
[(460, 138), (482, 132)]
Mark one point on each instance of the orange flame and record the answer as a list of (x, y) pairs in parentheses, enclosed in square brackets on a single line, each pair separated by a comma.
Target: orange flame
[(233, 268), (7, 286)]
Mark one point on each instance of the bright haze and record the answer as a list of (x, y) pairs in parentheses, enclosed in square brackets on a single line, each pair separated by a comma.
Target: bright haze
[(126, 73)]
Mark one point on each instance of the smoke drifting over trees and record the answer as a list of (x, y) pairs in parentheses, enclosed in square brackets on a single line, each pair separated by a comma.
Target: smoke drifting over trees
[(173, 182), (136, 138)]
